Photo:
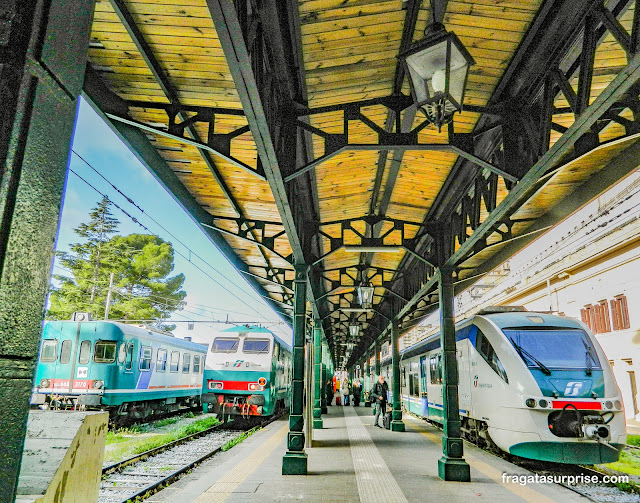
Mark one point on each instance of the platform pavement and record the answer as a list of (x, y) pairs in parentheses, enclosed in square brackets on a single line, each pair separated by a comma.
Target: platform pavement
[(352, 461)]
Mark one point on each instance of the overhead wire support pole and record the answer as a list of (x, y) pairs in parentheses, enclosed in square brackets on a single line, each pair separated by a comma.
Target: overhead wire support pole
[(451, 466)]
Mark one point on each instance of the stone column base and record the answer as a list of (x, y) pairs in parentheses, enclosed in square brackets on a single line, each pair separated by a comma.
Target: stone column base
[(294, 463), (454, 469)]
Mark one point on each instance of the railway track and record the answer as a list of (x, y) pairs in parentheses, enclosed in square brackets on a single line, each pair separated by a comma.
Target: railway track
[(599, 492), (145, 473)]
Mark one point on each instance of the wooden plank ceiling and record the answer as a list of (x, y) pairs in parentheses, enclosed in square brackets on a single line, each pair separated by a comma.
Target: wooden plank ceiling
[(349, 52)]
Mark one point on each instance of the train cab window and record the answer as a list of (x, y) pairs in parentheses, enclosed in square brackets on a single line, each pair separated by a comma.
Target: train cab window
[(128, 362), (105, 352), (435, 369), (225, 345), (161, 360), (256, 346), (145, 358), (85, 352), (186, 363), (487, 352), (196, 364), (65, 352), (175, 361), (49, 352)]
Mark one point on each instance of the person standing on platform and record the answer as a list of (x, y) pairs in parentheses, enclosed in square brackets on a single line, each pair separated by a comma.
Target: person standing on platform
[(330, 391), (379, 394), (357, 391), (345, 389)]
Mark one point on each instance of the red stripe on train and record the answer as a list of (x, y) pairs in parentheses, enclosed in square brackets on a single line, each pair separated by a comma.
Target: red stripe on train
[(577, 405)]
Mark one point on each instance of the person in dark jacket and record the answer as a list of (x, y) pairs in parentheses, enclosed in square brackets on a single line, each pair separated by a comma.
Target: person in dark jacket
[(357, 391), (379, 394), (330, 391)]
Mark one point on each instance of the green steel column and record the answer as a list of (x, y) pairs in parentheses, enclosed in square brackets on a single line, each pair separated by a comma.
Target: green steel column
[(452, 465), (317, 374), (396, 415), (294, 461), (377, 360), (325, 378), (43, 54)]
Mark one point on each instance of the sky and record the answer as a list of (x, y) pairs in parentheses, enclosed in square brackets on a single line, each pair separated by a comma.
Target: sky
[(100, 164)]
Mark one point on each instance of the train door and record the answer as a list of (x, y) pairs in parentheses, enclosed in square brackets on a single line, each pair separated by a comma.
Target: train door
[(424, 371), (464, 377)]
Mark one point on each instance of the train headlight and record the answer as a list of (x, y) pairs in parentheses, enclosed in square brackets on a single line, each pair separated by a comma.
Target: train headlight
[(608, 404), (215, 385), (262, 381), (253, 386), (618, 405), (530, 402), (543, 403), (98, 384), (45, 383)]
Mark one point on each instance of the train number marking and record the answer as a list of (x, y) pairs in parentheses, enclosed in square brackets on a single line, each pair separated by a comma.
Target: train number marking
[(573, 388)]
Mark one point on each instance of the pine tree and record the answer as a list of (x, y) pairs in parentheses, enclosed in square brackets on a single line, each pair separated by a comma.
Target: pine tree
[(141, 264)]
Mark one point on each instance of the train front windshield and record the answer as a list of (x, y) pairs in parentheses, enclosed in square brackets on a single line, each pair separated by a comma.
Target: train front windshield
[(557, 348)]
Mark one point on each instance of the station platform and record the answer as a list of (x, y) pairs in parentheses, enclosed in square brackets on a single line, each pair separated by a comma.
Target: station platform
[(352, 461)]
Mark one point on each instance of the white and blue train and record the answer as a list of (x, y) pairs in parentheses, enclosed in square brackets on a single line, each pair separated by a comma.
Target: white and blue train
[(531, 384)]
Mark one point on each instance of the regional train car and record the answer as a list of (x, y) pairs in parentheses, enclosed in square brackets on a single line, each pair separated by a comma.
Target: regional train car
[(532, 384), (248, 373), (129, 370)]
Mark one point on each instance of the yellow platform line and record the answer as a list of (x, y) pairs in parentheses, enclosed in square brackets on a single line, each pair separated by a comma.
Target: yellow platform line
[(526, 493), (228, 483)]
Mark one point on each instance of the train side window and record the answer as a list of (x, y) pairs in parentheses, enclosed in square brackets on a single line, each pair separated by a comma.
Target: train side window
[(196, 364), (186, 363), (487, 352), (225, 345), (161, 360), (145, 358), (414, 385), (128, 362), (65, 352), (256, 346), (85, 352), (122, 352), (49, 351), (105, 352), (435, 369), (175, 361)]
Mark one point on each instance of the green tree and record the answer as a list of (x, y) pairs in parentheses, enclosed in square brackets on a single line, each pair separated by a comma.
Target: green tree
[(141, 264)]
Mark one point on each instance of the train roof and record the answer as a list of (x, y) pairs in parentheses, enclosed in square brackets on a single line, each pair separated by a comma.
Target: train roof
[(114, 329), (510, 319), (246, 329)]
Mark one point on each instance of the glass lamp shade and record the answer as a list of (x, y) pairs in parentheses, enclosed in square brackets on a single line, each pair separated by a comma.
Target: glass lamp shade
[(365, 295), (354, 329), (438, 67)]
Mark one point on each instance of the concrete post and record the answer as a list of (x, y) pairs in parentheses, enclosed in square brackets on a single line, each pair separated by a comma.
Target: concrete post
[(43, 53), (452, 465), (317, 373), (396, 414), (294, 461)]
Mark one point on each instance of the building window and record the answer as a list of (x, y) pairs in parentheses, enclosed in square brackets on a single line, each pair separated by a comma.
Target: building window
[(596, 317), (620, 313)]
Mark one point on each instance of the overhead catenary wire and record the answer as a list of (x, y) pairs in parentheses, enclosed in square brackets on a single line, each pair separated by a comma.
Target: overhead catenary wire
[(133, 203), (136, 221)]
